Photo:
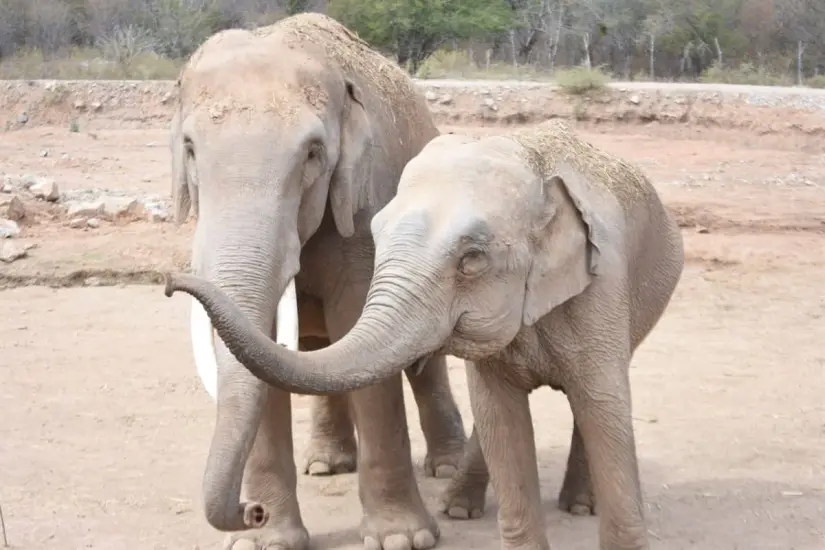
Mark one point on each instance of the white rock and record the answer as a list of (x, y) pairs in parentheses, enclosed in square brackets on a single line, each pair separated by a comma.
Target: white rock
[(11, 251), (446, 99), (634, 99), (157, 215), (77, 223), (8, 229), (430, 95), (46, 189), (116, 207), (85, 209), (94, 223), (44, 153)]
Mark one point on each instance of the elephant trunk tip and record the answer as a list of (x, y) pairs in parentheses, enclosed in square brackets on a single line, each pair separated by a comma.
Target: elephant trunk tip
[(170, 286), (246, 515)]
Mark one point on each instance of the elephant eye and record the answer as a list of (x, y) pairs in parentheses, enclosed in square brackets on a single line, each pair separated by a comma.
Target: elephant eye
[(473, 263)]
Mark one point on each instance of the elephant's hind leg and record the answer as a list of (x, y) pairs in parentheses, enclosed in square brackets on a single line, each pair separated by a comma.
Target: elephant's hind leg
[(466, 495), (331, 448), (440, 419), (576, 495), (270, 478)]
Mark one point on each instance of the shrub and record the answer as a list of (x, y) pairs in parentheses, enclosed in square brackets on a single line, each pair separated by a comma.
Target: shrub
[(746, 73), (581, 80), (817, 81)]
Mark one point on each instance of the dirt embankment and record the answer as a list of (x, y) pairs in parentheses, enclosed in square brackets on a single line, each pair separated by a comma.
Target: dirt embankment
[(147, 104)]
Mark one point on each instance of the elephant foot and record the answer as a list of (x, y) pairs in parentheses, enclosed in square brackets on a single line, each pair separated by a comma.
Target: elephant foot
[(464, 498), (443, 463), (326, 457), (269, 538), (400, 531), (577, 498)]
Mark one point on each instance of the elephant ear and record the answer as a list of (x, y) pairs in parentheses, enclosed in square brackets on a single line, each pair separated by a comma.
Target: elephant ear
[(184, 186), (567, 243), (349, 190)]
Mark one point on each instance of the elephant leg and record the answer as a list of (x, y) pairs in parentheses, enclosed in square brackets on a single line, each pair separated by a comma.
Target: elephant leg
[(576, 495), (440, 419), (395, 517), (331, 449), (505, 432), (465, 497), (601, 403), (270, 478)]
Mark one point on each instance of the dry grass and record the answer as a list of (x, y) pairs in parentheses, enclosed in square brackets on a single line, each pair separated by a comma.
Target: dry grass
[(817, 81), (581, 80), (553, 143), (457, 64), (746, 73), (86, 64)]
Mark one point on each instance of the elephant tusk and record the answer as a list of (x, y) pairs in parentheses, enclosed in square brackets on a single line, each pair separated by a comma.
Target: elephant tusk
[(287, 320), (203, 348)]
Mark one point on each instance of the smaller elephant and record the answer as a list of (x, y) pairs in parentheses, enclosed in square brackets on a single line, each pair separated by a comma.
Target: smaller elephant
[(538, 259)]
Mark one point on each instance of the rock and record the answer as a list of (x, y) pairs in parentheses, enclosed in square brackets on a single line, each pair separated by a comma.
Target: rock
[(490, 103), (23, 118), (44, 153), (96, 106), (93, 281), (634, 99), (429, 95), (94, 223), (79, 105), (27, 180), (117, 207), (8, 229), (157, 215), (14, 209), (77, 223), (11, 251), (46, 189), (85, 209), (65, 156), (446, 99)]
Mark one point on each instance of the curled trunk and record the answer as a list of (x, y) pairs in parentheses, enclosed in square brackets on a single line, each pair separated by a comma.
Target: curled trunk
[(378, 347)]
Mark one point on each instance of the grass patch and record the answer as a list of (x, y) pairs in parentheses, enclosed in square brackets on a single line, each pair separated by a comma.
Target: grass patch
[(746, 73), (457, 64), (86, 64), (817, 81), (581, 80)]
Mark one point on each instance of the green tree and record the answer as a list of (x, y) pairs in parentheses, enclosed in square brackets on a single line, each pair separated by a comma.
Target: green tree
[(414, 29)]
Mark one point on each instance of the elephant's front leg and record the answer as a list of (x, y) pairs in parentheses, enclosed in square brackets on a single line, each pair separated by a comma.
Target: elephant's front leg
[(576, 495), (270, 478), (395, 517), (440, 419), (600, 399), (505, 431)]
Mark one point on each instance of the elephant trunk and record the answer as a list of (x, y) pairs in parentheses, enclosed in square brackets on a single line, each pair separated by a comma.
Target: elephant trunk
[(380, 345), (255, 279)]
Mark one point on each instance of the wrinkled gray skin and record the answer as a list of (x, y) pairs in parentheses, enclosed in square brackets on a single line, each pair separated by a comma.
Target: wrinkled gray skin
[(539, 260), (286, 142)]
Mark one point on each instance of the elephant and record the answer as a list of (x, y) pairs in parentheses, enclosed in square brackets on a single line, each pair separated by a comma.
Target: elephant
[(538, 259), (285, 141)]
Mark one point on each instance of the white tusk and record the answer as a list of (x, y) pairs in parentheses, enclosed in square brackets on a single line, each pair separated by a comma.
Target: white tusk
[(203, 347), (287, 333)]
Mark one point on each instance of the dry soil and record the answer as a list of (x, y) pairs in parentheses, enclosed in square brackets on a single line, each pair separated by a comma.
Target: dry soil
[(105, 426)]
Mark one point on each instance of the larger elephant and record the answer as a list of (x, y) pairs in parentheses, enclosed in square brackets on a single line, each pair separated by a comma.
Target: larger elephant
[(538, 259), (286, 141)]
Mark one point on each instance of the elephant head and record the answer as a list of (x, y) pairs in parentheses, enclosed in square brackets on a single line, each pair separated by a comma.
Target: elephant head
[(275, 132), (484, 238)]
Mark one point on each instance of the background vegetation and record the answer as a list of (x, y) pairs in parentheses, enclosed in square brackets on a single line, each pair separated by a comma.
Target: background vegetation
[(582, 42)]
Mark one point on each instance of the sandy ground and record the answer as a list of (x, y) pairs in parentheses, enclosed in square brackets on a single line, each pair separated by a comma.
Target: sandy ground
[(105, 427)]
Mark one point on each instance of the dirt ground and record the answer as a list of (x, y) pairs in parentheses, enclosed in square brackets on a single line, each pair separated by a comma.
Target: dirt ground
[(105, 425)]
